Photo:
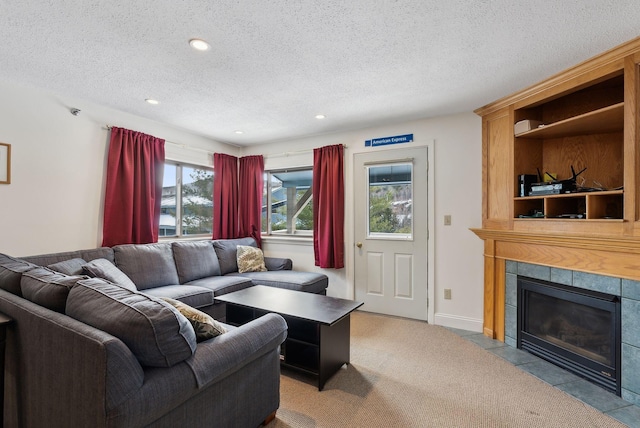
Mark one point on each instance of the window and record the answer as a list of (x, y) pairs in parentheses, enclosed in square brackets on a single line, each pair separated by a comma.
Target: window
[(287, 202), (390, 200), (187, 199)]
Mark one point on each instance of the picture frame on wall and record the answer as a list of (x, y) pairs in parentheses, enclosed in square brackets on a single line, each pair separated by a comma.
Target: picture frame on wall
[(5, 163)]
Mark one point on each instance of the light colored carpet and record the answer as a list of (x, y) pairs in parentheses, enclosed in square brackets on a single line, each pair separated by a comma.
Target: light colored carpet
[(406, 373)]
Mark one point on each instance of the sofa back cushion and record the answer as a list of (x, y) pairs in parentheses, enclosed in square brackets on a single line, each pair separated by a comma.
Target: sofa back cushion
[(195, 260), (147, 265), (48, 288), (88, 255), (227, 251), (11, 270), (157, 334)]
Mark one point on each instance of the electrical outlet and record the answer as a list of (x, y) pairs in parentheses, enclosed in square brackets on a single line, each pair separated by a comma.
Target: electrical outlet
[(447, 220), (447, 293)]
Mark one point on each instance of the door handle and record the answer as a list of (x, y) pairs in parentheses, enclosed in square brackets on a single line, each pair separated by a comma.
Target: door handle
[(359, 245)]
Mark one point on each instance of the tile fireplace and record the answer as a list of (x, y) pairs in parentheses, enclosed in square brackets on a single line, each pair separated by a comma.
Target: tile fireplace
[(621, 363), (573, 328)]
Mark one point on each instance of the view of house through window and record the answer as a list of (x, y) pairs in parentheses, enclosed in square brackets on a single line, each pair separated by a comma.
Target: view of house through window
[(287, 203), (390, 200), (187, 200)]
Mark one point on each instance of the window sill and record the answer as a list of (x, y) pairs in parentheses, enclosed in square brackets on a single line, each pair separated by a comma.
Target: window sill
[(288, 239)]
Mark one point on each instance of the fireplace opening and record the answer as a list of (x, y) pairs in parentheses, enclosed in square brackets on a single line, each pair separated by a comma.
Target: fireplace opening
[(576, 329)]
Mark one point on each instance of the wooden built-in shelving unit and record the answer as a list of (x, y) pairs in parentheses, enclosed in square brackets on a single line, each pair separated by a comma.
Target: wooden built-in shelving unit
[(589, 117)]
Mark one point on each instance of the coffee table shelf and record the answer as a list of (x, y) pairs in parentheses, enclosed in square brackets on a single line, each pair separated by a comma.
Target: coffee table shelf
[(318, 337)]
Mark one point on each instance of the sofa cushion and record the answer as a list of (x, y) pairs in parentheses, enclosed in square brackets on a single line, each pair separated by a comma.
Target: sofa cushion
[(227, 251), (48, 288), (310, 282), (222, 284), (157, 334), (103, 268), (195, 260), (11, 270), (250, 259), (69, 267), (204, 326), (147, 265), (198, 297)]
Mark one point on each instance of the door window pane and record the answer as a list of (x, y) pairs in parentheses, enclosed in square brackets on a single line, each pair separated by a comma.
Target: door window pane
[(390, 200)]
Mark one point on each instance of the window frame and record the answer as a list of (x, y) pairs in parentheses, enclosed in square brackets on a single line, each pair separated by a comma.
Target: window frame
[(179, 202)]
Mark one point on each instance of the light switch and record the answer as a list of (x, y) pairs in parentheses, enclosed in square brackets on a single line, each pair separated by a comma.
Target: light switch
[(447, 220)]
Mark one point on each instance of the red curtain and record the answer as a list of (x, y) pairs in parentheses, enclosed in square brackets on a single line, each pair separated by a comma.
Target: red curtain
[(328, 206), (250, 204), (133, 193), (225, 196)]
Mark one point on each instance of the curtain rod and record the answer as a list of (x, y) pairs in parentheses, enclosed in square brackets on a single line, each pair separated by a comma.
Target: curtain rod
[(181, 145), (298, 152)]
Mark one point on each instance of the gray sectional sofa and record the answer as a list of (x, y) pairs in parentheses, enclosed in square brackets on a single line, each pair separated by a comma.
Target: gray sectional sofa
[(194, 272), (106, 351)]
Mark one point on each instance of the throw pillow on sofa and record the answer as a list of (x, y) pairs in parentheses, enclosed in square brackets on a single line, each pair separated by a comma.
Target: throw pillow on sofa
[(69, 267), (156, 333), (250, 259), (47, 288), (103, 268), (203, 324)]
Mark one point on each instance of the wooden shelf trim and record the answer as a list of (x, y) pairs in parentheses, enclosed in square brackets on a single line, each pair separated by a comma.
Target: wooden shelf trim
[(602, 121), (583, 242), (569, 195)]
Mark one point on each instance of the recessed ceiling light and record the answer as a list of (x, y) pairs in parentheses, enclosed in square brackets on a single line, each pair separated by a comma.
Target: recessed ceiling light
[(199, 44), (320, 116), (152, 101), (239, 132)]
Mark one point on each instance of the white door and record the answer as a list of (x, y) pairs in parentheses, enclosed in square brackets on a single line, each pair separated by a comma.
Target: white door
[(391, 231)]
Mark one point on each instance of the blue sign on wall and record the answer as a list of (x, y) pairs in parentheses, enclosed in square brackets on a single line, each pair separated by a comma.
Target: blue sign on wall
[(398, 139)]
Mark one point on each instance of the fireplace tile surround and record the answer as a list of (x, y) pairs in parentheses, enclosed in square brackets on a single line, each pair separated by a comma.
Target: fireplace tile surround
[(628, 290)]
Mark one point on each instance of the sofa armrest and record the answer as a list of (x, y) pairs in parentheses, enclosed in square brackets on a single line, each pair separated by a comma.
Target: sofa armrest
[(216, 358), (278, 263)]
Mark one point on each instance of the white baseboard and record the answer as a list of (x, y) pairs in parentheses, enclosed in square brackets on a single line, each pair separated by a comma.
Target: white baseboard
[(454, 321)]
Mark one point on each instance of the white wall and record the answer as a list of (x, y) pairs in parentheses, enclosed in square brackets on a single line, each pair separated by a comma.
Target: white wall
[(458, 192), (55, 199), (54, 202)]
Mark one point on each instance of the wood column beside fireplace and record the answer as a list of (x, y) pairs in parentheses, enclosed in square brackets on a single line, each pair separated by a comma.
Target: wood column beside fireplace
[(590, 116)]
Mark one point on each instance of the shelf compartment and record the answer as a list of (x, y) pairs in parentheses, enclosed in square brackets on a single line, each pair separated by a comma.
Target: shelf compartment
[(605, 205), (525, 206), (601, 121)]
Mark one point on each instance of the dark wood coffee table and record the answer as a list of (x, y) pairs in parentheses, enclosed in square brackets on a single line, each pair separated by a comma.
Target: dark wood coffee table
[(318, 339)]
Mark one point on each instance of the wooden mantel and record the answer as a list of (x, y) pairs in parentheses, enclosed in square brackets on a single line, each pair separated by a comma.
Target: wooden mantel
[(607, 241), (617, 257)]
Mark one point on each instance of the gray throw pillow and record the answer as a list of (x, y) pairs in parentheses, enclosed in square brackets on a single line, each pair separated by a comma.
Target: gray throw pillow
[(156, 333), (47, 288), (103, 268), (69, 267)]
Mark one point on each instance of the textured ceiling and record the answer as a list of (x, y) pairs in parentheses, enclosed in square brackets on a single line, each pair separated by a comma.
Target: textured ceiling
[(275, 64)]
